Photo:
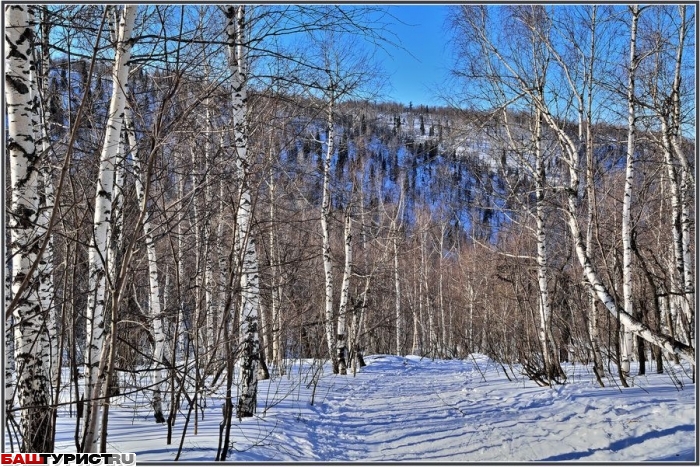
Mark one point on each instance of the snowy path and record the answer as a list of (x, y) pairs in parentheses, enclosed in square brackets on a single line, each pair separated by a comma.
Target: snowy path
[(392, 415), (444, 410), (410, 409)]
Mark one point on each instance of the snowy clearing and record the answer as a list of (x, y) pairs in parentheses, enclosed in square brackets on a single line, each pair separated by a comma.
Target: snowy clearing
[(413, 409)]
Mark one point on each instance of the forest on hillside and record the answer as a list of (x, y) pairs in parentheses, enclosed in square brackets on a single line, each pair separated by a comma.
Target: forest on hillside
[(197, 195)]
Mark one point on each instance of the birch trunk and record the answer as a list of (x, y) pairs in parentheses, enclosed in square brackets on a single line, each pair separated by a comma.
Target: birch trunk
[(276, 279), (223, 263), (326, 245), (209, 241), (276, 285), (627, 341), (430, 308), (688, 275), (116, 216), (344, 296), (197, 329), (552, 371), (397, 298), (250, 293), (395, 223), (681, 224), (677, 263), (358, 318), (99, 246), (441, 299), (181, 338), (32, 347), (470, 327)]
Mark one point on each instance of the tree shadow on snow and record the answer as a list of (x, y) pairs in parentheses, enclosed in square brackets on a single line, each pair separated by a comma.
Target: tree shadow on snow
[(623, 443)]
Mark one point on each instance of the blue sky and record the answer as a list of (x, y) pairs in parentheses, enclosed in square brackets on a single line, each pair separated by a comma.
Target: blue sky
[(416, 71)]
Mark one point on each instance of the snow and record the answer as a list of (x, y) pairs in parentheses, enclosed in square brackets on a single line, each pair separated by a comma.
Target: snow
[(413, 409)]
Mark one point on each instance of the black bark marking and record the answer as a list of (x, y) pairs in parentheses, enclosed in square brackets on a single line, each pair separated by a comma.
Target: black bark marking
[(16, 84)]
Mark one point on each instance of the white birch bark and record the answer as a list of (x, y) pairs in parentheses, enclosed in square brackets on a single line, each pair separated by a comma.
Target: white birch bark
[(344, 296), (209, 285), (395, 224), (481, 34), (545, 307), (197, 330), (354, 340), (326, 242), (676, 97), (590, 272), (181, 338), (688, 275), (430, 308), (441, 300), (99, 246), (114, 256), (276, 283), (248, 362), (627, 341), (397, 297), (223, 263), (681, 224), (677, 263), (31, 342)]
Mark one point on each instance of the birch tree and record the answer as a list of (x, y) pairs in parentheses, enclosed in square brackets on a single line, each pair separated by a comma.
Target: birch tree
[(345, 294), (627, 342), (97, 254), (325, 215), (524, 146), (32, 346), (590, 271), (342, 72), (665, 100), (394, 231), (551, 366), (236, 42), (479, 27)]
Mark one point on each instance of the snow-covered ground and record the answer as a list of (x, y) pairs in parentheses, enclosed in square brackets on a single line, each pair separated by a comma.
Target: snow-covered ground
[(413, 409)]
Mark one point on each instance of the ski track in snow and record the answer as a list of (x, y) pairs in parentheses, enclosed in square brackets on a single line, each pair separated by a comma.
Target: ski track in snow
[(412, 409)]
